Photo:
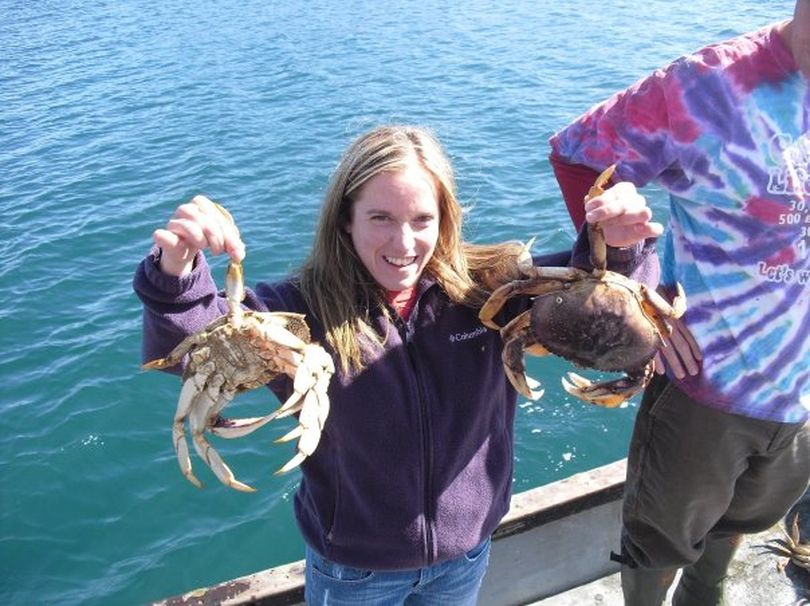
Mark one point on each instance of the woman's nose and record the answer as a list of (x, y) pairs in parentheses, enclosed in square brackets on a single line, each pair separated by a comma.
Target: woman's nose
[(405, 236)]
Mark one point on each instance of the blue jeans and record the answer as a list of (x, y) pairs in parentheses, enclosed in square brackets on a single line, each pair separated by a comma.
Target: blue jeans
[(454, 582)]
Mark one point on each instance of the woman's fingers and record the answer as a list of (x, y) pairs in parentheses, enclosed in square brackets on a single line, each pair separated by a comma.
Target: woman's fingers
[(177, 256), (197, 225), (220, 229), (207, 225)]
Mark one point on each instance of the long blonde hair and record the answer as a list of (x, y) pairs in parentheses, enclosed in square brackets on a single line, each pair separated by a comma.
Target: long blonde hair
[(335, 283)]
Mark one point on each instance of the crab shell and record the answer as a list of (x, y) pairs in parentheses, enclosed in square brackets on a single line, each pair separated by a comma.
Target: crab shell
[(597, 323)]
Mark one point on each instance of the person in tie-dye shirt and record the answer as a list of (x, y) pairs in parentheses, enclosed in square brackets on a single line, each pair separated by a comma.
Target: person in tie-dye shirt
[(720, 447)]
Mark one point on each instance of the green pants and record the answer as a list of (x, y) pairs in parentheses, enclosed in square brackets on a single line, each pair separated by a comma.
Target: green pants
[(697, 479)]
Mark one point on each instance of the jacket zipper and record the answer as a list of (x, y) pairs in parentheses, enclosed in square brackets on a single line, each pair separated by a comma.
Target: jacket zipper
[(424, 421)]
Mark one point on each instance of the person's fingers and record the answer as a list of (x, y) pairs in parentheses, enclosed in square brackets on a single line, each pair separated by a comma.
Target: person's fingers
[(628, 217), (660, 366), (687, 335), (191, 231), (672, 358), (626, 235), (168, 240), (176, 255), (620, 199), (219, 228)]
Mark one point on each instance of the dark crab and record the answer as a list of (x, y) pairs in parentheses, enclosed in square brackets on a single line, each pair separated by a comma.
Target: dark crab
[(596, 319)]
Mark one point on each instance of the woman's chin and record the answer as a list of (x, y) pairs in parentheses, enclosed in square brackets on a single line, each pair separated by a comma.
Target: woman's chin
[(396, 284)]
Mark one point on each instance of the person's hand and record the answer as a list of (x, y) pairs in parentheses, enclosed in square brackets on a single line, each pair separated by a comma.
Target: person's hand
[(196, 225), (623, 214), (681, 355)]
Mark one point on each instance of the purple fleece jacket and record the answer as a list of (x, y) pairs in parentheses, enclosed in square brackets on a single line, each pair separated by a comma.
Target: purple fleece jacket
[(415, 462)]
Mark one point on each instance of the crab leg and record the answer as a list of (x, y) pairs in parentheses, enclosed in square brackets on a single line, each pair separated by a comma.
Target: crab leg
[(176, 355), (180, 442), (524, 260), (217, 465), (308, 431), (311, 380), (206, 407), (609, 394), (557, 279), (237, 428), (192, 389), (675, 309), (596, 236), (283, 337), (516, 336), (235, 293), (794, 539), (657, 309)]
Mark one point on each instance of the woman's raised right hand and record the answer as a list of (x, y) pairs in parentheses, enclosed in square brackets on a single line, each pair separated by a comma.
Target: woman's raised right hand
[(199, 224)]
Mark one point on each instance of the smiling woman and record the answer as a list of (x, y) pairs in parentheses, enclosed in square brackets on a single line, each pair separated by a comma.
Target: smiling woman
[(413, 471)]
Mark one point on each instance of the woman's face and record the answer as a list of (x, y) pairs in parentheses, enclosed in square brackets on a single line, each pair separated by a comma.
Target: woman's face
[(395, 225)]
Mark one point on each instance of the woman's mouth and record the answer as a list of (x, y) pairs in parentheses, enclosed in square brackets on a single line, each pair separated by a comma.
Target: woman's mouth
[(399, 261)]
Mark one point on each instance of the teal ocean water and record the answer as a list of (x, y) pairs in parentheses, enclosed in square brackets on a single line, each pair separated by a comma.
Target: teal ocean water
[(112, 113)]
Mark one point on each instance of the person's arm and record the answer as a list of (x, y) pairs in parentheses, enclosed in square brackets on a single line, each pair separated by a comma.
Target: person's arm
[(681, 354), (174, 306), (574, 180), (174, 281)]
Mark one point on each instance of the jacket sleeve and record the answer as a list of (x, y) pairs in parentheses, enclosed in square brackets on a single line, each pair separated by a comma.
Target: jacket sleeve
[(174, 308), (638, 262)]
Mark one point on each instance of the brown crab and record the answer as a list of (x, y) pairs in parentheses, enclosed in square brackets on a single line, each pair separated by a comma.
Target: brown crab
[(239, 351), (596, 319), (797, 552)]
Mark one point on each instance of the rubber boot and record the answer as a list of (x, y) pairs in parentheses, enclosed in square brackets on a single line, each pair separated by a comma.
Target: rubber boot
[(703, 582), (646, 586)]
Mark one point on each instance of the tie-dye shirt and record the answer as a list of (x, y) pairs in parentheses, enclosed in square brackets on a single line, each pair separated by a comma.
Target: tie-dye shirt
[(725, 131)]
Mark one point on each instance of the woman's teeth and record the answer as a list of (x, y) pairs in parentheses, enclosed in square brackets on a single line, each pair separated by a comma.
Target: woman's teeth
[(400, 261)]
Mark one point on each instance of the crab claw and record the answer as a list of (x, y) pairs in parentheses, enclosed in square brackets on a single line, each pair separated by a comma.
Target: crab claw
[(598, 188), (516, 372), (609, 394), (525, 385)]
